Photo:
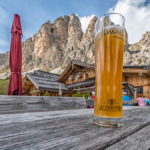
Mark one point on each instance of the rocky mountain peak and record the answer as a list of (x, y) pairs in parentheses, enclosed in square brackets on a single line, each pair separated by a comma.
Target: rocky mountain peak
[(90, 30), (138, 53), (58, 43), (74, 31), (145, 39)]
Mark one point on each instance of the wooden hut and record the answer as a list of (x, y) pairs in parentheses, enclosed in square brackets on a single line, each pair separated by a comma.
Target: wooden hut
[(139, 78), (40, 82), (79, 76)]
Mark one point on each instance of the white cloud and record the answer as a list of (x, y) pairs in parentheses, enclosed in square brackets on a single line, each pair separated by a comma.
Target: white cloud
[(137, 16), (85, 22)]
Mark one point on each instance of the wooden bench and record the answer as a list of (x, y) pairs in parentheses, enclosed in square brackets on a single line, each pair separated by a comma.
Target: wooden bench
[(130, 103), (89, 102), (20, 104)]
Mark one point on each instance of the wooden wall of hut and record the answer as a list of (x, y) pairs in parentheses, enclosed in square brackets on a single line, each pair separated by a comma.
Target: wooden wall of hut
[(35, 94), (137, 80), (80, 76), (28, 87)]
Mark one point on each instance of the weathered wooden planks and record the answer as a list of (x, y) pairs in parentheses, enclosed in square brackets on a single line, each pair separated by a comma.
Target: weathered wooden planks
[(45, 81), (130, 103), (9, 100), (83, 83), (50, 86), (89, 102), (46, 74), (18, 104), (68, 129), (140, 140), (63, 103)]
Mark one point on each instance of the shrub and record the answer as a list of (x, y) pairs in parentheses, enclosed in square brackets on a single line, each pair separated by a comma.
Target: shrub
[(139, 61), (85, 95), (77, 94), (46, 94)]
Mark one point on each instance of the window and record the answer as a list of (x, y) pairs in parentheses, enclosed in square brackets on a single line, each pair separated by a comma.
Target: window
[(86, 75), (139, 90)]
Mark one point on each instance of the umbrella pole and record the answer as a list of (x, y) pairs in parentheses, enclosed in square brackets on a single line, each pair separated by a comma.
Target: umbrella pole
[(15, 92)]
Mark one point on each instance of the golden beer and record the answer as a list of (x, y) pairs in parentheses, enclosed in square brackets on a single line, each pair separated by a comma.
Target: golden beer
[(109, 48)]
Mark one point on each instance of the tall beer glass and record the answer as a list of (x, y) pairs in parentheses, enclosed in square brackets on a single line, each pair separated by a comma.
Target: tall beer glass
[(109, 48)]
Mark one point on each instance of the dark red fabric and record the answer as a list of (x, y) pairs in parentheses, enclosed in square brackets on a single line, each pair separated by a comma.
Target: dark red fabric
[(15, 60)]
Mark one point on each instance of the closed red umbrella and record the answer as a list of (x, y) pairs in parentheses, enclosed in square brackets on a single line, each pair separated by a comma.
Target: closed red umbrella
[(15, 60)]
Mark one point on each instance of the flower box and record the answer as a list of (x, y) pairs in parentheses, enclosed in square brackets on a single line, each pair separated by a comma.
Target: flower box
[(71, 77), (79, 75)]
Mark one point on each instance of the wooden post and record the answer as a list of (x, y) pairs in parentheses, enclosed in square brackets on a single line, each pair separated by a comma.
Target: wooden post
[(60, 90), (134, 93)]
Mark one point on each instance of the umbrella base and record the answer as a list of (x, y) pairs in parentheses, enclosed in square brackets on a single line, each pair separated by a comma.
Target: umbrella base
[(15, 92)]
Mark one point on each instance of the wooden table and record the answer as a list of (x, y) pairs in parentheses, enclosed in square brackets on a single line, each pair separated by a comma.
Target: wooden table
[(73, 129)]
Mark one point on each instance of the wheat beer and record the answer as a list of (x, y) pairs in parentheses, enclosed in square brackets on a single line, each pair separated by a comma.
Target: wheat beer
[(109, 48)]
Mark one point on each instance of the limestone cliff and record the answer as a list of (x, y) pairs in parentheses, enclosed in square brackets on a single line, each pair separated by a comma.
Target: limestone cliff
[(58, 43), (138, 53)]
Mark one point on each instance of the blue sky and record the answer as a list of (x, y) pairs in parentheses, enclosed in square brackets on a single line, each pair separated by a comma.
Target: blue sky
[(34, 13)]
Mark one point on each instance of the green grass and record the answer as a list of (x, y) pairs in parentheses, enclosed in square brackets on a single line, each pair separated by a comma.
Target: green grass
[(4, 70), (139, 61), (4, 87), (46, 94), (135, 46)]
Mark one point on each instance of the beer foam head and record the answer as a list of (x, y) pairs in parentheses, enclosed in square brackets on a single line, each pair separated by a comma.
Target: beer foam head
[(111, 20)]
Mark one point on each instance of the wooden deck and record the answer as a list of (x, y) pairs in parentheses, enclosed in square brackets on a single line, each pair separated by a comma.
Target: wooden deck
[(73, 129)]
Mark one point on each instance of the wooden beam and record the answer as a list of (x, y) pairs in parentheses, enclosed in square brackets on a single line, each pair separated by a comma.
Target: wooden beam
[(27, 82), (136, 71)]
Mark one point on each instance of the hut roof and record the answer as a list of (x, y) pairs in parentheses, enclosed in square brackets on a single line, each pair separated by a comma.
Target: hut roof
[(73, 67), (138, 67), (85, 83), (136, 70), (46, 81), (91, 88), (77, 65)]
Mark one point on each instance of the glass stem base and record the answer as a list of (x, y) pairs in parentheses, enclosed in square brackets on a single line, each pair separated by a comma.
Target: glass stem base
[(108, 122)]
